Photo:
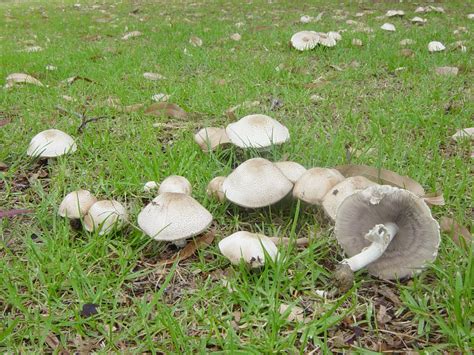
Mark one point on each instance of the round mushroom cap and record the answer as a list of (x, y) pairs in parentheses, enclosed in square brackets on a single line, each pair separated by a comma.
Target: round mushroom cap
[(333, 199), (304, 40), (435, 46), (177, 184), (248, 247), (76, 204), (51, 143), (210, 138), (416, 242), (388, 27), (174, 216), (292, 170), (105, 216), (256, 183), (214, 188), (315, 183), (257, 131)]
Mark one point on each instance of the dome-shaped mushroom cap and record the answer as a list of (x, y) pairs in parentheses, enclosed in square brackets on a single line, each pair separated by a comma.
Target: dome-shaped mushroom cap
[(416, 242), (435, 46), (174, 216), (292, 170), (315, 183), (257, 131), (256, 183), (76, 204), (51, 143), (105, 216), (214, 188), (333, 199), (210, 138), (248, 247), (177, 184), (304, 40)]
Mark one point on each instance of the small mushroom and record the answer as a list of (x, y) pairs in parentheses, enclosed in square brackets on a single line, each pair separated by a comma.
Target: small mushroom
[(174, 217), (304, 40), (177, 184), (210, 138), (306, 19), (76, 204), (435, 46), (326, 40), (256, 183), (292, 170), (257, 131), (333, 199), (393, 13), (214, 188), (418, 20), (388, 230), (388, 27), (315, 183), (334, 35), (248, 247), (150, 186), (51, 143), (104, 216)]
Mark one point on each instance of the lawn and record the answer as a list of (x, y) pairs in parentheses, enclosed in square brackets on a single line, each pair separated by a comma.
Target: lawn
[(64, 290)]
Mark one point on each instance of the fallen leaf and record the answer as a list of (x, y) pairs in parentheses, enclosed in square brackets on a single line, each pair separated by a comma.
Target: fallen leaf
[(21, 78), (434, 199), (53, 341), (190, 248), (465, 133), (132, 34), (457, 232), (3, 166), (390, 295), (296, 313), (89, 309), (195, 41), (382, 316), (73, 79), (153, 76), (166, 109), (14, 212), (382, 176)]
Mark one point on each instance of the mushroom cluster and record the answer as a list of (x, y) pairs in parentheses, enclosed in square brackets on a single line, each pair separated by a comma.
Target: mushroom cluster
[(306, 40)]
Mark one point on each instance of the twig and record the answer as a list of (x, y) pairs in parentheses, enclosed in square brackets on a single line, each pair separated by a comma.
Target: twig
[(81, 116), (80, 129)]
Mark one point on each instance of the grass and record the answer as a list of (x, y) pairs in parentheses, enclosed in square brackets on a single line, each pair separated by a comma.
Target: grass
[(399, 120)]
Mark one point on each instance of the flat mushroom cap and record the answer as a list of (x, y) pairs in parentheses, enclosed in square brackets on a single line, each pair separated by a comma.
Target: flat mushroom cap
[(333, 199), (292, 170), (106, 215), (174, 216), (76, 204), (210, 138), (304, 40), (214, 188), (177, 184), (257, 131), (248, 247), (256, 183), (416, 242), (51, 143), (315, 183)]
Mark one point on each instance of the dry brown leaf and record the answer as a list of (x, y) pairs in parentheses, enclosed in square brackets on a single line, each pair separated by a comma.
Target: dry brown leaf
[(195, 41), (14, 212), (457, 232), (21, 78), (382, 176), (190, 248), (465, 133), (296, 313), (166, 109), (53, 341), (382, 316), (434, 199)]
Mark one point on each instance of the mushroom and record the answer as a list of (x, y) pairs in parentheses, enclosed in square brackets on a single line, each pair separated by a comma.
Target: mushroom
[(214, 188), (304, 40), (76, 204), (388, 27), (393, 13), (177, 184), (257, 131), (315, 183), (292, 170), (334, 35), (210, 138), (326, 40), (174, 217), (333, 199), (435, 46), (104, 216), (150, 185), (51, 143), (389, 230), (418, 20), (256, 183), (248, 247)]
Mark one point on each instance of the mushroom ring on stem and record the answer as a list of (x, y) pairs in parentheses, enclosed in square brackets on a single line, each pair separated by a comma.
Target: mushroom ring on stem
[(388, 230)]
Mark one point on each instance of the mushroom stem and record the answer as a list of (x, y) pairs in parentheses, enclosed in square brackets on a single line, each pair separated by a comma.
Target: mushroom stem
[(380, 236), (180, 243)]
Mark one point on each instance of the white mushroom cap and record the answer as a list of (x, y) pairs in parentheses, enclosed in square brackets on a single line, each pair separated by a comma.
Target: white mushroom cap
[(292, 170), (248, 247), (174, 216), (388, 27), (392, 13), (150, 185), (315, 183), (326, 40), (105, 216), (214, 188), (51, 143), (304, 40), (177, 184), (257, 131), (418, 20), (76, 204), (435, 46), (210, 138), (333, 199), (256, 183), (414, 245)]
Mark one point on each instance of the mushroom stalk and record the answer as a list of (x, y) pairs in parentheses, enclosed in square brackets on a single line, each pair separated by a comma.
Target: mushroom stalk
[(380, 236)]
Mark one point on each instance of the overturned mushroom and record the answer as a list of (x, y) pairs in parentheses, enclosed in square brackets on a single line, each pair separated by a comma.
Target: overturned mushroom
[(177, 184), (51, 143), (210, 138), (292, 170), (315, 183), (388, 230), (214, 188), (248, 247), (105, 216)]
